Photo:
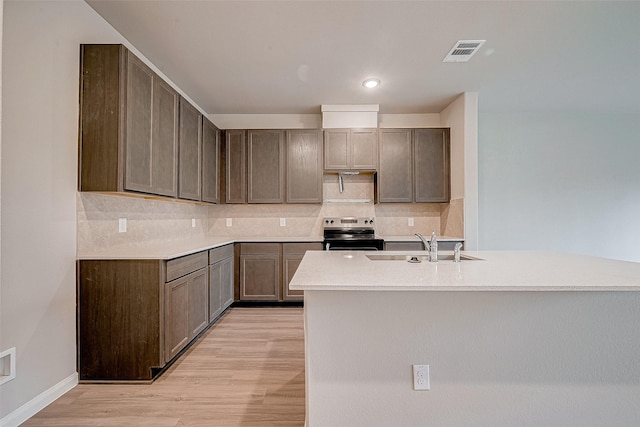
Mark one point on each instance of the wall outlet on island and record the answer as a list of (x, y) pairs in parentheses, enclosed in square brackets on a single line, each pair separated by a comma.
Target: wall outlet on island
[(421, 377)]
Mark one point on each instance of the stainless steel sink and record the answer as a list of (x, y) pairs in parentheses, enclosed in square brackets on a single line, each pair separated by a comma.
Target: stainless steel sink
[(416, 258)]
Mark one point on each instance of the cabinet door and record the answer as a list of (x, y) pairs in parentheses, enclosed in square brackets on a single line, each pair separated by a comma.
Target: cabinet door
[(236, 170), (215, 290), (304, 166), (431, 165), (165, 139), (290, 265), (210, 162), (364, 149), (226, 273), (189, 152), (260, 277), (336, 149), (139, 128), (265, 166), (176, 332), (395, 175), (198, 302)]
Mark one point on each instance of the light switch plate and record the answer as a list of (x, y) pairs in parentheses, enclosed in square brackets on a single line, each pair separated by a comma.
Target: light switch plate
[(283, 222), (410, 222), (193, 222), (122, 225), (229, 222)]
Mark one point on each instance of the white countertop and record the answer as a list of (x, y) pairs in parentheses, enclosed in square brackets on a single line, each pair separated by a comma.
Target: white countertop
[(496, 271), (176, 249), (414, 238)]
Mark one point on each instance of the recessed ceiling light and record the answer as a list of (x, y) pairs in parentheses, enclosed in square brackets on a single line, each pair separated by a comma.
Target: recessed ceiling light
[(371, 83)]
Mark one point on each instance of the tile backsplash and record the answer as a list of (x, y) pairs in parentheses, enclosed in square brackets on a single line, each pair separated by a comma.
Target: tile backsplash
[(152, 221)]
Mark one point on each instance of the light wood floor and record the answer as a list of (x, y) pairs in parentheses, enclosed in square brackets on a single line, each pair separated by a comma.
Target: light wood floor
[(247, 370)]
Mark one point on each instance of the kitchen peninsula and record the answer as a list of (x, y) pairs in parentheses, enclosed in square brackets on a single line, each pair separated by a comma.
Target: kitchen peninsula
[(512, 338)]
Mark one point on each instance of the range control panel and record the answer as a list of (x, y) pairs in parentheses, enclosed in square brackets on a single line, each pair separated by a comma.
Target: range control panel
[(348, 223)]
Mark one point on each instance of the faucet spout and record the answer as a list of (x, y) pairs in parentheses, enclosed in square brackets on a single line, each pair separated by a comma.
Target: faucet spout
[(425, 242)]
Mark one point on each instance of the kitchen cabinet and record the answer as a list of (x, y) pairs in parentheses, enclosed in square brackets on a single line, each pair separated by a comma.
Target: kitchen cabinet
[(273, 166), (220, 280), (431, 165), (260, 271), (266, 166), (267, 268), (304, 166), (128, 125), (210, 162), (414, 166), (417, 246), (235, 166), (350, 149), (120, 319), (292, 254), (189, 152), (395, 174), (186, 301)]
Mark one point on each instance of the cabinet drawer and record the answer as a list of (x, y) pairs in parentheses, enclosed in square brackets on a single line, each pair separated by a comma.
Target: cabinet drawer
[(217, 254), (259, 248), (184, 265), (300, 248)]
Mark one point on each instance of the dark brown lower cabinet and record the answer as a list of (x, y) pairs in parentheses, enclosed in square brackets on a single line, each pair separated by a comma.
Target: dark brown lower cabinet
[(120, 319), (220, 280), (134, 316), (267, 268), (292, 254)]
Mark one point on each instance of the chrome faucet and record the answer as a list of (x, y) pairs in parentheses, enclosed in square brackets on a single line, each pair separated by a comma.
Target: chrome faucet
[(430, 247)]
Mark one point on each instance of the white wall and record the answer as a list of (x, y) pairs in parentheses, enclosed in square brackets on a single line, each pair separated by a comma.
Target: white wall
[(497, 359), (560, 181), (39, 167), (462, 117)]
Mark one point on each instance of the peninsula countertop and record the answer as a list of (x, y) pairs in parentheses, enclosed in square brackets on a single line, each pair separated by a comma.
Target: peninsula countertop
[(493, 271)]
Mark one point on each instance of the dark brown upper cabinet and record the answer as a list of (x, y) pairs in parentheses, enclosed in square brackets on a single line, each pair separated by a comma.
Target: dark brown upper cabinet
[(128, 125), (235, 166), (351, 149), (273, 166), (210, 162), (414, 166), (266, 166), (190, 152), (304, 166)]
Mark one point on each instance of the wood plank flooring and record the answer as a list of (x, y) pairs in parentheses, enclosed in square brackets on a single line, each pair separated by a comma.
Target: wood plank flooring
[(246, 371)]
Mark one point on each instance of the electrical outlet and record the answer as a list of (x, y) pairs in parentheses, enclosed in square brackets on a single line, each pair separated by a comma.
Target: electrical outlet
[(421, 377), (283, 222), (122, 225), (229, 222), (410, 222), (193, 222), (7, 365)]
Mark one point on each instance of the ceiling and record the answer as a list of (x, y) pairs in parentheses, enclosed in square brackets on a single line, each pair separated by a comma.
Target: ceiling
[(269, 57)]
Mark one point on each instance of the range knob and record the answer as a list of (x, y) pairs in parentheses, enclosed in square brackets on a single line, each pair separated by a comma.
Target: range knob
[(371, 221)]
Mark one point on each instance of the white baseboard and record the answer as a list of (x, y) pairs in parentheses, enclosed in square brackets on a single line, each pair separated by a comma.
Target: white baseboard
[(38, 403)]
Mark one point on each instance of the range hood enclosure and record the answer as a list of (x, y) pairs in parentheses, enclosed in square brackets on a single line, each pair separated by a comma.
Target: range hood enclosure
[(350, 116)]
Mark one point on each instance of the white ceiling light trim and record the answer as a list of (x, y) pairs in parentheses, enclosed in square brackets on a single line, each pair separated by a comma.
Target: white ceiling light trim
[(463, 50), (371, 83)]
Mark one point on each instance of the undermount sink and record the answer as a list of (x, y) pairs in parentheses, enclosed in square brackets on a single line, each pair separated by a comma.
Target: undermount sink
[(416, 258)]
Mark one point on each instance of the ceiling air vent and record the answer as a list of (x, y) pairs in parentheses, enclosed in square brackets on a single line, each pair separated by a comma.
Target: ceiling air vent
[(463, 50)]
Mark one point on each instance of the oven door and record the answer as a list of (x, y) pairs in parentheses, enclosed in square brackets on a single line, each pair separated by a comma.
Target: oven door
[(353, 244)]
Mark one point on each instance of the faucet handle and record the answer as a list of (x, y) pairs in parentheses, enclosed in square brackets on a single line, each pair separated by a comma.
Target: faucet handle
[(456, 252)]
